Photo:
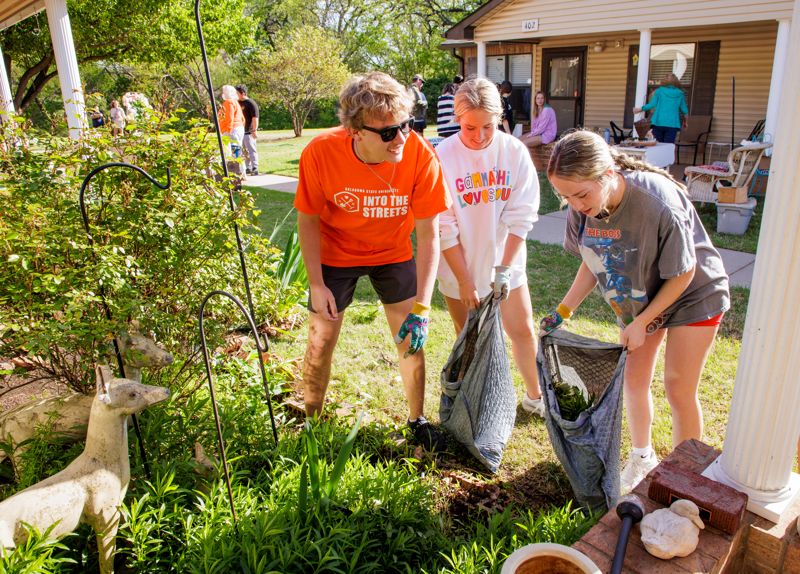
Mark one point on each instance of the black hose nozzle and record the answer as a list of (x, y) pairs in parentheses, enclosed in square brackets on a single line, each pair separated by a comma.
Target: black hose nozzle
[(630, 511)]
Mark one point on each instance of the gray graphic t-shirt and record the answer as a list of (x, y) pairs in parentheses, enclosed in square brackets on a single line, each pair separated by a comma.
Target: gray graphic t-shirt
[(655, 234)]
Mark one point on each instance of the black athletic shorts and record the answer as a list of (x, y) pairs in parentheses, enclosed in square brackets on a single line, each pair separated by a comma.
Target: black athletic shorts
[(393, 283)]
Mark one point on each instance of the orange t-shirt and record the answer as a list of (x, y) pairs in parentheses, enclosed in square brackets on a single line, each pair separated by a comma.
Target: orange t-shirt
[(362, 220), (230, 116)]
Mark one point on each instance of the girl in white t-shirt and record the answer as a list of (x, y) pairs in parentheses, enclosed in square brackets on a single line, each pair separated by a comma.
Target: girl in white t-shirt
[(495, 193)]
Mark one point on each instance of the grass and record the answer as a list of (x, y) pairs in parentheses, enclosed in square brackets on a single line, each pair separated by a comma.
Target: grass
[(279, 151), (747, 242), (364, 372)]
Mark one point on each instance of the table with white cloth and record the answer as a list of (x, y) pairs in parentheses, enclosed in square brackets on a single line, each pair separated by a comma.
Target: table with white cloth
[(659, 155)]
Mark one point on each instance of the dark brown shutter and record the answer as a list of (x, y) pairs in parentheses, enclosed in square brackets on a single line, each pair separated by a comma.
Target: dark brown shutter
[(630, 88), (705, 79)]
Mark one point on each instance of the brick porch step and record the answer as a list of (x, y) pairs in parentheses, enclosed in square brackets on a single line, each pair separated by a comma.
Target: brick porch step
[(758, 547)]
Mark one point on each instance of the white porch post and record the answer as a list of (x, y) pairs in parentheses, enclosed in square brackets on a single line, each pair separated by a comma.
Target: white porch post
[(778, 72), (481, 59), (643, 69), (764, 420), (6, 99), (67, 64)]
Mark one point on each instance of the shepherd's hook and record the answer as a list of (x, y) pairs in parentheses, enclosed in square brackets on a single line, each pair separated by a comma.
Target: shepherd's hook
[(261, 350), (102, 291), (231, 201)]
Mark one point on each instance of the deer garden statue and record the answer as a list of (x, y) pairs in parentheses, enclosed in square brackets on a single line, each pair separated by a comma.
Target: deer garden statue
[(93, 486)]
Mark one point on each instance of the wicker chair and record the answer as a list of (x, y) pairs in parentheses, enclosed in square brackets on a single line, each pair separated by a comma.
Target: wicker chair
[(702, 181)]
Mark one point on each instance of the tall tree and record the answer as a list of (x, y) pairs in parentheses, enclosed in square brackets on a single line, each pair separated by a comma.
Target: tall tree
[(304, 67), (123, 31)]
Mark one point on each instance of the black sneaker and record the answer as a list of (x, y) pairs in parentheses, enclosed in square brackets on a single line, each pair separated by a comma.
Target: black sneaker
[(427, 436), (248, 171), (254, 172)]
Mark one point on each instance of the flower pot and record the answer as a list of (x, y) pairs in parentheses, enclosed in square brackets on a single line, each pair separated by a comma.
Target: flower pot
[(642, 127), (549, 559)]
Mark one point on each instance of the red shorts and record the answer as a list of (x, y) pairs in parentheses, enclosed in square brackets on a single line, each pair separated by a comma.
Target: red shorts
[(712, 322)]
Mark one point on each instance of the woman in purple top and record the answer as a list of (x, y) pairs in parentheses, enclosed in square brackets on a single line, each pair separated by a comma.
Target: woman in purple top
[(543, 126)]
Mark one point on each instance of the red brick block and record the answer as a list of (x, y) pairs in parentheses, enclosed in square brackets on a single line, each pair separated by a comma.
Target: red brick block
[(720, 505), (791, 560)]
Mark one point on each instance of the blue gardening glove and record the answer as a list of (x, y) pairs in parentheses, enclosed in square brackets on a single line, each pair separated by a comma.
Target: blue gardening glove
[(417, 325), (502, 276), (554, 320)]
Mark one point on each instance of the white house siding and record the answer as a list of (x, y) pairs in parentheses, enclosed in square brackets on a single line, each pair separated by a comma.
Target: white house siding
[(746, 51), (567, 17)]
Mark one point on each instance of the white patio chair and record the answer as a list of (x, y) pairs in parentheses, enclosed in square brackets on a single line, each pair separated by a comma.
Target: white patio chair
[(702, 181)]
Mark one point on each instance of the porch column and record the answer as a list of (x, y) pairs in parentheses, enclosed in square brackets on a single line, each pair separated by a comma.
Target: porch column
[(67, 64), (6, 99), (642, 70), (778, 72), (481, 59), (764, 420)]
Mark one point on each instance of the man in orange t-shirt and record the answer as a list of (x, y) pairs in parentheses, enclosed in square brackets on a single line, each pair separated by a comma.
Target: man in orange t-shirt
[(364, 187)]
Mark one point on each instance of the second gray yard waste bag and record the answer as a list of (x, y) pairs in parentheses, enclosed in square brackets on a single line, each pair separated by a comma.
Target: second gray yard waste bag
[(478, 404), (581, 380)]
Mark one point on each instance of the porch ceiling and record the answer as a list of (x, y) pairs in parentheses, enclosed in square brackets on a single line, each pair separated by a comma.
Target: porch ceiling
[(13, 11)]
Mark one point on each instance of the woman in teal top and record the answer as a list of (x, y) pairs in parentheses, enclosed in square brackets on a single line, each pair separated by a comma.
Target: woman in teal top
[(669, 102)]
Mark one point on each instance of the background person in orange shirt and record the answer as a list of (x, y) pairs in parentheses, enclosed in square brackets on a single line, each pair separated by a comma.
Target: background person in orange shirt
[(231, 118), (364, 187)]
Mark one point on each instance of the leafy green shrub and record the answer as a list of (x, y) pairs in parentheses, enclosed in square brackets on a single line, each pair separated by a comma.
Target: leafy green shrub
[(157, 253), (35, 555)]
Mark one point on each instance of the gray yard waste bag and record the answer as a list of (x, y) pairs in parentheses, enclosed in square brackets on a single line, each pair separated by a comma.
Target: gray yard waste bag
[(588, 446), (478, 404)]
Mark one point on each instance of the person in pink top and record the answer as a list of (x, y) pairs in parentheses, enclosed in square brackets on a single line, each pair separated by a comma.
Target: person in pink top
[(543, 125)]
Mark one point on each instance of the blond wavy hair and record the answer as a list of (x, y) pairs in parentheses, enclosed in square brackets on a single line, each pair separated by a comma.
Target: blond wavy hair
[(478, 94), (373, 95)]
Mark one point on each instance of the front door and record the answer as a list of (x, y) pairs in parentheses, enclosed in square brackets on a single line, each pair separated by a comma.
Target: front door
[(563, 78)]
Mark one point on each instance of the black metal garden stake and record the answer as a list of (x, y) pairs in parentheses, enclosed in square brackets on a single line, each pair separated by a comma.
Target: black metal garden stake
[(261, 349), (231, 201), (102, 290)]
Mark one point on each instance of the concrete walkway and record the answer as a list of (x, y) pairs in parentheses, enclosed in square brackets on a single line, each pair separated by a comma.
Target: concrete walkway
[(549, 229)]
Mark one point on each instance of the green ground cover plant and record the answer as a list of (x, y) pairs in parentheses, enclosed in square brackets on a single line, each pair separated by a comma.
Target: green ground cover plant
[(331, 496)]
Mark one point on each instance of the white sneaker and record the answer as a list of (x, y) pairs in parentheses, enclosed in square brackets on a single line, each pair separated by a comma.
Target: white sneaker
[(533, 406), (636, 469)]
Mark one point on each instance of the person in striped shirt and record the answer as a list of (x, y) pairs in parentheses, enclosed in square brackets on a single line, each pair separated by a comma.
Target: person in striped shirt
[(446, 124)]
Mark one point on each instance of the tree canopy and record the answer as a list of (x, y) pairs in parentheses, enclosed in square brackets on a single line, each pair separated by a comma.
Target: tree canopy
[(122, 31), (304, 67), (151, 46)]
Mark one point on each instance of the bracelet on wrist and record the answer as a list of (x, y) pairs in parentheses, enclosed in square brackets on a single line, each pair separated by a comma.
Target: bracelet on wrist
[(564, 311)]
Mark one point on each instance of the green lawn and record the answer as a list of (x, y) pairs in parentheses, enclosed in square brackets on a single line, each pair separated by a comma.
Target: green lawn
[(279, 151), (747, 242), (365, 375)]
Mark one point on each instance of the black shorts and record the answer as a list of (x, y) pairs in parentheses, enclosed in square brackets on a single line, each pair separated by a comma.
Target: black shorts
[(393, 283)]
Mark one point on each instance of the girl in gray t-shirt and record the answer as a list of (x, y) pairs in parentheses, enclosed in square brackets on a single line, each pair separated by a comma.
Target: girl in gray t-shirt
[(644, 247)]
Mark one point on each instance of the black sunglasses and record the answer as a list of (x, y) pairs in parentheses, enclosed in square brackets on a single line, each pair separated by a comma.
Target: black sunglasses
[(390, 132)]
